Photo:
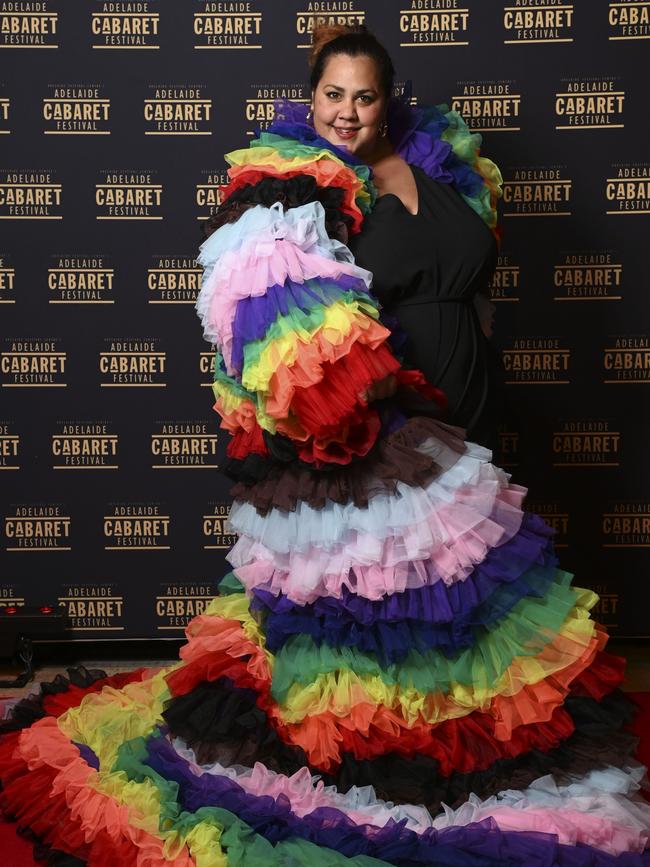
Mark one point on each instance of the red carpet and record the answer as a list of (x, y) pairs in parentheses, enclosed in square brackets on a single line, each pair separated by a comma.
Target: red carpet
[(17, 852)]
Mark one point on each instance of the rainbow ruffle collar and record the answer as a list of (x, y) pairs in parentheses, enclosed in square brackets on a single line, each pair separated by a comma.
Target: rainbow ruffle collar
[(434, 138)]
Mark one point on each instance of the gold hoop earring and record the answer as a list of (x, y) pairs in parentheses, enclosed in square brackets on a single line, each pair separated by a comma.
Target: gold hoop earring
[(383, 129)]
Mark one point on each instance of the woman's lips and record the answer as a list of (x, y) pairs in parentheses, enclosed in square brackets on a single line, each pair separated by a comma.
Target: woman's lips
[(345, 133)]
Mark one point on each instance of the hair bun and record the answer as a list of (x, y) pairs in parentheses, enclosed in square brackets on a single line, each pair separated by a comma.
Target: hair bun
[(324, 33)]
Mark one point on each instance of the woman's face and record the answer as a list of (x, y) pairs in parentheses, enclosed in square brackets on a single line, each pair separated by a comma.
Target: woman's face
[(349, 105)]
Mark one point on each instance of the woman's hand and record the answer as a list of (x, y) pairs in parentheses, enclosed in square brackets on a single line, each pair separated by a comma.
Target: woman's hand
[(380, 390)]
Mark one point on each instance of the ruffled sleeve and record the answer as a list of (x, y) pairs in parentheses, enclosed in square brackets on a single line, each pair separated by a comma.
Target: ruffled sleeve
[(297, 331)]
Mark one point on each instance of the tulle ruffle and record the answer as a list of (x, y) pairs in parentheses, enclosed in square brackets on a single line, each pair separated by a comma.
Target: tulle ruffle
[(414, 538), (432, 137), (395, 458), (264, 248), (592, 810), (391, 642)]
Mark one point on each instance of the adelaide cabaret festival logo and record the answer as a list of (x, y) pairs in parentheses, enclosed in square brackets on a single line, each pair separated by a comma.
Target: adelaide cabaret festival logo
[(589, 103), (207, 192), (488, 106), (432, 23), (626, 360), (585, 442), (317, 12), (93, 606), (81, 279), (628, 20), (181, 109), (33, 362), (537, 361), (259, 107), (126, 194), (180, 600), (84, 445), (37, 527), (120, 25), (184, 445), (76, 110), (173, 279), (627, 189), (529, 22), (132, 363), (228, 24), (136, 527), (626, 524), (30, 194), (215, 529), (28, 24), (537, 191), (588, 275)]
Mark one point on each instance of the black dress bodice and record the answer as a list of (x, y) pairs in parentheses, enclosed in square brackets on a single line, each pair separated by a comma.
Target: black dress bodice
[(427, 269)]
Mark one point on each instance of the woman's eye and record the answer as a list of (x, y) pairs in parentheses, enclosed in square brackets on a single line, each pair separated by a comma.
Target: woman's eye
[(332, 94), (365, 98)]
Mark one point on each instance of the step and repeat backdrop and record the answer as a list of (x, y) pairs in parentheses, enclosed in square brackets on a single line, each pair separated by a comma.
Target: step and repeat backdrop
[(114, 117)]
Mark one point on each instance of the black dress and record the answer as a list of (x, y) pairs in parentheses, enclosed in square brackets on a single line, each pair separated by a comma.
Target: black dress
[(427, 269)]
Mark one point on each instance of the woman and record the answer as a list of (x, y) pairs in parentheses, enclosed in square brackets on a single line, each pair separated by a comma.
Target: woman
[(430, 255), (394, 619)]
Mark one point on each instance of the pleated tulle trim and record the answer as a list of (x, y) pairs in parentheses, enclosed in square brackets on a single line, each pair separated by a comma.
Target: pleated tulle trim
[(297, 307), (270, 247), (595, 809), (447, 618), (528, 628), (393, 642), (336, 524), (403, 541), (151, 799), (529, 690), (279, 155)]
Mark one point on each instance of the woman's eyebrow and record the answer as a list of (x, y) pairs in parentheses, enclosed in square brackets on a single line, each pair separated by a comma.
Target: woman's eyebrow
[(363, 89)]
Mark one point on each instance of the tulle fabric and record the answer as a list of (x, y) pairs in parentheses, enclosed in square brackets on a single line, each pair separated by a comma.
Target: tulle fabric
[(392, 642), (401, 627), (593, 810), (292, 306), (396, 457), (432, 137), (411, 539), (264, 248)]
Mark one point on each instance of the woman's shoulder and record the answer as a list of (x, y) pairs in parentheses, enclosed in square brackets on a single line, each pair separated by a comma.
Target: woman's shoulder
[(437, 140)]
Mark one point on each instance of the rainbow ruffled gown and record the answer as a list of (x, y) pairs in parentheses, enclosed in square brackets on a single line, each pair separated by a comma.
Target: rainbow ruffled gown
[(396, 672)]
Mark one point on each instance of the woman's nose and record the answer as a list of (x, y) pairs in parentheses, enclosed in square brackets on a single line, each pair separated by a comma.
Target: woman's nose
[(348, 109)]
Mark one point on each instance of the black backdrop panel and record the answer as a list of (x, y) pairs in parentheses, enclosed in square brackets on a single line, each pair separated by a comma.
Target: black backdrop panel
[(113, 120)]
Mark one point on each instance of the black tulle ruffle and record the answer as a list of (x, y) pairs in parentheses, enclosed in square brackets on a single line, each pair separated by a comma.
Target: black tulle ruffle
[(292, 192), (222, 723)]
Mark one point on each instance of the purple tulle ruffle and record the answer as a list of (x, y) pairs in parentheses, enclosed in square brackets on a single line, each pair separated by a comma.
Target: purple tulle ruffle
[(255, 314), (480, 844)]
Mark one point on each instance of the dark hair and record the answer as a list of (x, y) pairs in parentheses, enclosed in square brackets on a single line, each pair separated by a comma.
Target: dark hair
[(356, 41)]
